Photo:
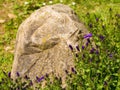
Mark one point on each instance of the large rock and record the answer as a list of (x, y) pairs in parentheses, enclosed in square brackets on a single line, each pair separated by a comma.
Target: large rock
[(43, 39)]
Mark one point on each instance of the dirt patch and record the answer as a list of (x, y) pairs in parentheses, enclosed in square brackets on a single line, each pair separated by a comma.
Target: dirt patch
[(7, 13), (4, 11)]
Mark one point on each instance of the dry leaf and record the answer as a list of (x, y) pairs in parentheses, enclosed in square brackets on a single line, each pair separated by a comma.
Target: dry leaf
[(11, 16), (2, 21)]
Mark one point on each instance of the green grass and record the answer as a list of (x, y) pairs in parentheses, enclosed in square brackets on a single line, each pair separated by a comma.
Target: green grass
[(94, 71)]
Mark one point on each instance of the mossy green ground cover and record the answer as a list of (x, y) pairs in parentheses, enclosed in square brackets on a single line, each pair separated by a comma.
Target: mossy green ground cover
[(96, 69)]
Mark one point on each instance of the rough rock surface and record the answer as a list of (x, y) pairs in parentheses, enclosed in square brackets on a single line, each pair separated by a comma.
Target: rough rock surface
[(43, 39)]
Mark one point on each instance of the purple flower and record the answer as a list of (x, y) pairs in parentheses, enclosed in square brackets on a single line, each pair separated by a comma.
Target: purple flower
[(92, 50), (88, 40), (39, 79), (101, 37), (26, 77), (47, 75), (90, 59), (18, 74), (73, 70), (70, 46), (97, 19), (76, 55), (9, 74), (60, 79), (83, 47), (97, 52), (87, 43), (56, 78), (83, 56), (111, 55), (90, 25), (88, 35), (66, 71), (105, 83), (77, 47), (31, 83)]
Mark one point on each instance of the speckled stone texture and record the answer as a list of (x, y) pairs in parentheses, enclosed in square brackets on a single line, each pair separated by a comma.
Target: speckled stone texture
[(43, 39)]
